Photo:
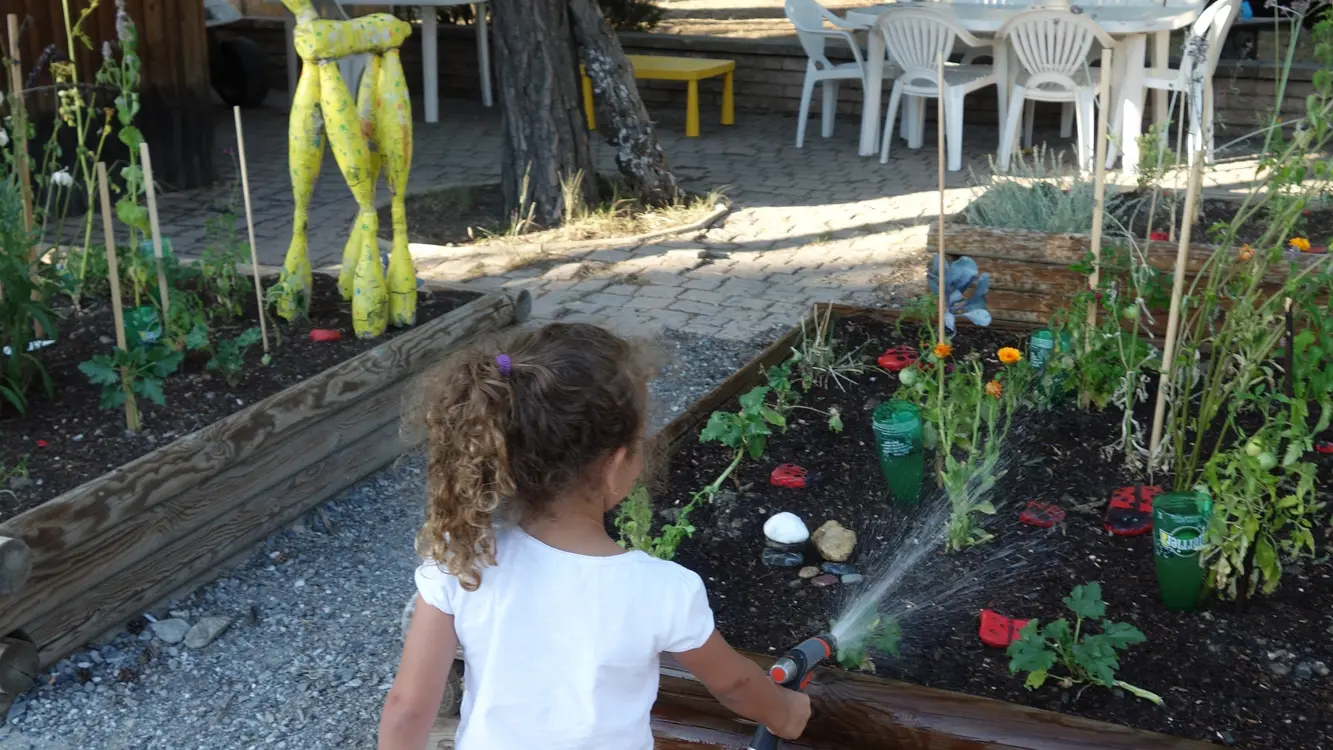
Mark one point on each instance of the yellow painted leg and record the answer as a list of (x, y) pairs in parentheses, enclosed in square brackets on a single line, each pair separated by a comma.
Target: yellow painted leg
[(587, 102), (692, 111), (305, 151), (729, 99), (394, 125)]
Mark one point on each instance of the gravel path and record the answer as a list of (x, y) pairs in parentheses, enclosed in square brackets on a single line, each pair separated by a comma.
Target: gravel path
[(312, 624)]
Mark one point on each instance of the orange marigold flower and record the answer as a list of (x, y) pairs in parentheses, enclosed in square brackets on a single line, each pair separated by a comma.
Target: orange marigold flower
[(1246, 252), (1010, 355), (943, 350), (994, 389), (1300, 243)]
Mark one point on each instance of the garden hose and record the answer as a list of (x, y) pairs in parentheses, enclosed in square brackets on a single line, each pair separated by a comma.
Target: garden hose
[(793, 671)]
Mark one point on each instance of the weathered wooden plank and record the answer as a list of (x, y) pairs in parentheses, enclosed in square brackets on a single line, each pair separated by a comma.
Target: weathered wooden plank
[(194, 558), (96, 508), (62, 577)]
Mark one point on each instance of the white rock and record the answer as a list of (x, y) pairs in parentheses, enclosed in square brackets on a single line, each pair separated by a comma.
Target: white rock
[(786, 528), (171, 631)]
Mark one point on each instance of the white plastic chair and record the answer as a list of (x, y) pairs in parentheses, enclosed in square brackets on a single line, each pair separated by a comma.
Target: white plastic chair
[(808, 16), (1052, 49), (1198, 63), (915, 40)]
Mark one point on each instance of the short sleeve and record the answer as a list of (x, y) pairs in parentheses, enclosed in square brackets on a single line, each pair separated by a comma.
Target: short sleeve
[(437, 587), (691, 621)]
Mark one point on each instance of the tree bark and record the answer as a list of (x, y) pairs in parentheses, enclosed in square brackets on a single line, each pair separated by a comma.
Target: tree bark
[(545, 131), (621, 116)]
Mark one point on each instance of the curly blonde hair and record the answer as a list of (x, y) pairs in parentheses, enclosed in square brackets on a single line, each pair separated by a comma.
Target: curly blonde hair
[(515, 421)]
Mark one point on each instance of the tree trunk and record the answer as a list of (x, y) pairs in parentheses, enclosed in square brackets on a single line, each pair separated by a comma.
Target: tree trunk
[(621, 116), (545, 131)]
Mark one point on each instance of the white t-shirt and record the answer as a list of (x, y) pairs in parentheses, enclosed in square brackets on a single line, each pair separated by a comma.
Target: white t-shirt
[(561, 650)]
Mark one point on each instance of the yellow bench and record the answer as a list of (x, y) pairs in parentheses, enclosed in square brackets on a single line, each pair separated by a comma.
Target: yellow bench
[(691, 69)]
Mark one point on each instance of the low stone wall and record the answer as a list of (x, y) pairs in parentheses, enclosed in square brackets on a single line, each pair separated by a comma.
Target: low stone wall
[(770, 72)]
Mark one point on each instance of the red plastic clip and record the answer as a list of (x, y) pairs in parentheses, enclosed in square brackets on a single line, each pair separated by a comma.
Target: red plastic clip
[(997, 630), (1130, 510), (1158, 236), (1042, 515), (325, 334), (792, 476), (1324, 446), (898, 358)]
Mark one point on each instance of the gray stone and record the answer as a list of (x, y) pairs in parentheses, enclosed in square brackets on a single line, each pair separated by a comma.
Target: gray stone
[(808, 572), (170, 631), (206, 630), (853, 578), (1279, 669)]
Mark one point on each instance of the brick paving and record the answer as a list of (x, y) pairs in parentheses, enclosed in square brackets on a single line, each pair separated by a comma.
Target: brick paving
[(818, 224)]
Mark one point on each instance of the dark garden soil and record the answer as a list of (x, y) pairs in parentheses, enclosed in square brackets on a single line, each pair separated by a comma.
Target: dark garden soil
[(1254, 679), (68, 440), (1314, 224), (450, 217)]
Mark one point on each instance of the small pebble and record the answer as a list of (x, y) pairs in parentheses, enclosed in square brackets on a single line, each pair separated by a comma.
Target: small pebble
[(1279, 669), (808, 572), (838, 569), (824, 580), (778, 559), (851, 578)]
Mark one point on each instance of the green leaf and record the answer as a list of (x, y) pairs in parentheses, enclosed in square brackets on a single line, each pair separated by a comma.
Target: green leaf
[(112, 398), (719, 427), (1086, 601), (756, 446), (197, 338), (1097, 658), (164, 361), (130, 136), (1121, 635), (1060, 632), (986, 507), (248, 338), (1036, 678), (1030, 653), (835, 421), (100, 370), (772, 416), (151, 389), (132, 214), (754, 398)]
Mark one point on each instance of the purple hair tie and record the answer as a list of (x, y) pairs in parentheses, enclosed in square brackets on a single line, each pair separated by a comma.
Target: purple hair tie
[(503, 363)]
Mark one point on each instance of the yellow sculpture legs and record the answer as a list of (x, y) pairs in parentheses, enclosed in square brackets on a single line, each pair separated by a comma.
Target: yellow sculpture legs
[(374, 131)]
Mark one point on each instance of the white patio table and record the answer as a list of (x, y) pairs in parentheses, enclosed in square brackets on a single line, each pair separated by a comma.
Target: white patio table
[(1130, 23), (429, 49)]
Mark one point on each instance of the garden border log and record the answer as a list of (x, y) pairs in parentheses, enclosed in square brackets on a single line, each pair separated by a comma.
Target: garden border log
[(861, 712), (117, 544)]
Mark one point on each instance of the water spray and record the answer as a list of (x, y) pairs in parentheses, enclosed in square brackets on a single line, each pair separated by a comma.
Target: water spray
[(793, 671)]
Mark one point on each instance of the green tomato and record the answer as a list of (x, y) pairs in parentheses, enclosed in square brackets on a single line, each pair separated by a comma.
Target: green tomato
[(1254, 448), (1266, 460), (908, 376), (1130, 312)]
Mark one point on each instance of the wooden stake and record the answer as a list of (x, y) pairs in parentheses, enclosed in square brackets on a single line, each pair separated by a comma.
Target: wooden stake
[(1099, 185), (151, 191), (250, 226), (113, 277), (19, 113), (939, 117), (1173, 317)]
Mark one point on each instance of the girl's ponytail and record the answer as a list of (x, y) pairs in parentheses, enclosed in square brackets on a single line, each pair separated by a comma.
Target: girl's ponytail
[(467, 469)]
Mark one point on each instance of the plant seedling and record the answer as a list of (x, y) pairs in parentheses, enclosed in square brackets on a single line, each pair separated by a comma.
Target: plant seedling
[(125, 373), (1086, 658), (878, 633), (229, 357), (747, 429)]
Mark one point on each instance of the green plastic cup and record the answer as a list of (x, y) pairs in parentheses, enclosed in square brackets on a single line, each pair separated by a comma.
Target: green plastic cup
[(1041, 346), (1180, 524), (897, 426)]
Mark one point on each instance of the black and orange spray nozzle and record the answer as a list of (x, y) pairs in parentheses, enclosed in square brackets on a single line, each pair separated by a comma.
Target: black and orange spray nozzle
[(793, 670)]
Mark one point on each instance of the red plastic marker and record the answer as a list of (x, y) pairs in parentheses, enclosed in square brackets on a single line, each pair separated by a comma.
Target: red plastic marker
[(1130, 511), (1159, 236), (1042, 515), (898, 358), (42, 444), (792, 476), (997, 630), (1324, 446), (325, 334)]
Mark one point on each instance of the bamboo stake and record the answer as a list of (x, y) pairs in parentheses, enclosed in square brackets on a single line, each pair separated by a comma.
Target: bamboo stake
[(19, 112), (151, 191), (113, 277), (1098, 195), (1173, 317), (250, 226), (939, 117)]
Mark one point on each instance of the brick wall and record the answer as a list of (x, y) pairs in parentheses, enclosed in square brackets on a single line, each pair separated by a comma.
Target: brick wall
[(769, 75)]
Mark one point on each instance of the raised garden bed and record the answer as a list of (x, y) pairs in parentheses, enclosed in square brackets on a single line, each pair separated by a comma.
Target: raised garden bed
[(1254, 678), (248, 460)]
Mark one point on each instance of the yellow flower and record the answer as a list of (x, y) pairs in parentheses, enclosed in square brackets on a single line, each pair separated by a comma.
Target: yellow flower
[(994, 389), (1010, 356), (1300, 243), (943, 350)]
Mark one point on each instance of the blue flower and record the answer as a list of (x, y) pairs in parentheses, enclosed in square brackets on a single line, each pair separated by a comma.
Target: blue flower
[(960, 277)]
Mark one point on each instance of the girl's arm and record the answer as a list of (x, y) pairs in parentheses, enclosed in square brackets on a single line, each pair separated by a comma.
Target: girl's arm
[(740, 685), (414, 700)]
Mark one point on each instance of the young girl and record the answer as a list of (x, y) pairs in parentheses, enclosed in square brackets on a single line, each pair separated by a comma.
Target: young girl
[(532, 440)]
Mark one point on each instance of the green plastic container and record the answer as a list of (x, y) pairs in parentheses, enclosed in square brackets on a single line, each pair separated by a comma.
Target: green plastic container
[(1180, 524), (146, 248), (1041, 346), (897, 426)]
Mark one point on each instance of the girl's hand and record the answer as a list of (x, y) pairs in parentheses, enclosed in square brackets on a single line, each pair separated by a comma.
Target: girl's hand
[(798, 713)]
